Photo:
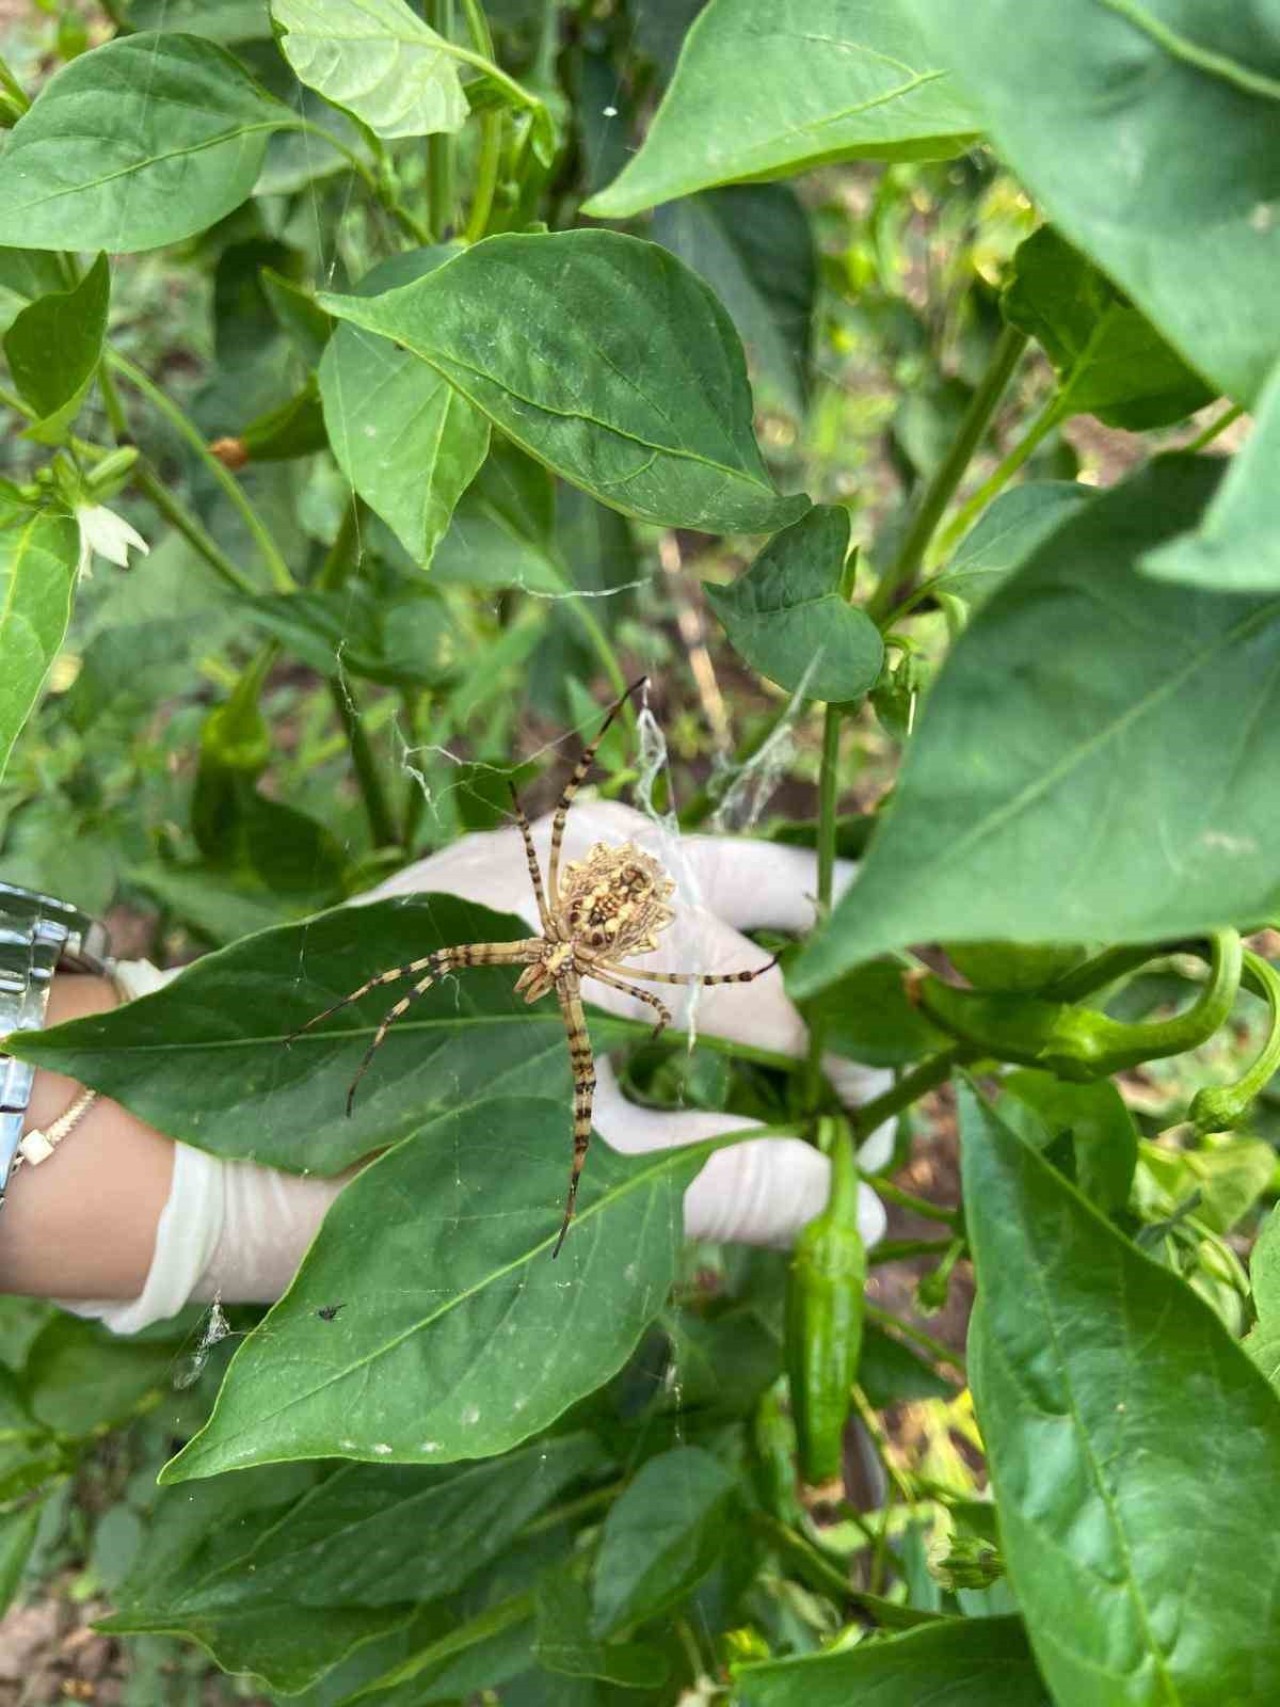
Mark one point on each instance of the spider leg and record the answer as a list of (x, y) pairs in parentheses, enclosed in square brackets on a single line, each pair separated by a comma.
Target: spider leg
[(571, 788), (583, 1063), (392, 977), (686, 977), (660, 1008), (530, 852)]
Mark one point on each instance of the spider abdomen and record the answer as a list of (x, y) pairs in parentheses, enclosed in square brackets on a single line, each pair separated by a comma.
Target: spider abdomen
[(615, 899)]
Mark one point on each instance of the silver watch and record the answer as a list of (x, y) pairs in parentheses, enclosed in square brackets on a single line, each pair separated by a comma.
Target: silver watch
[(37, 936)]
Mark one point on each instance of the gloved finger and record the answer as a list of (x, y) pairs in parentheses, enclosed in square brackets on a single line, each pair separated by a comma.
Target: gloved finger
[(760, 1191)]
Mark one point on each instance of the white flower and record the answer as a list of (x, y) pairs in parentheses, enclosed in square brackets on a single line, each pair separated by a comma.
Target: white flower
[(103, 531)]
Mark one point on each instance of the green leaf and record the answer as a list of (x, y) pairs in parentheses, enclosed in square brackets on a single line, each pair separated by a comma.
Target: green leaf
[(1147, 135), (1130, 1543), (1094, 1117), (763, 92), (146, 140), (287, 1588), (1111, 362), (377, 60), (26, 274), (208, 1058), (568, 342), (407, 441), (565, 1643), (1006, 534), (753, 245), (1263, 1342), (958, 1662), (38, 557), (1051, 810), (503, 532), (1228, 1173), (665, 1533), (410, 641), (786, 615), (891, 1373), (869, 1018), (1237, 545), (458, 1336), (80, 1379), (18, 1529), (54, 347)]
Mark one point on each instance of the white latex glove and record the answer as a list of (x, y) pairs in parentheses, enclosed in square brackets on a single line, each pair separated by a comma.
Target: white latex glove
[(237, 1231)]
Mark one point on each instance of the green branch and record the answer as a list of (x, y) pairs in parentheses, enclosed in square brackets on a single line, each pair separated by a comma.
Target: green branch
[(950, 471), (187, 430)]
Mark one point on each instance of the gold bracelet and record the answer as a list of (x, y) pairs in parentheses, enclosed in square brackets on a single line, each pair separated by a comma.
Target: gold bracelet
[(39, 1144)]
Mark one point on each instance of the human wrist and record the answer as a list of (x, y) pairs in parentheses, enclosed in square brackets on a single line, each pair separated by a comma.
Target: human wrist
[(72, 995)]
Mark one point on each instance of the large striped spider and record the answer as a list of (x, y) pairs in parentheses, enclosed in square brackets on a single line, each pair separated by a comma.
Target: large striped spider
[(595, 914)]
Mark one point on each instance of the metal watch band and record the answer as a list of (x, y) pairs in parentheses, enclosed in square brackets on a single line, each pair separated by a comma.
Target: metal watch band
[(38, 934)]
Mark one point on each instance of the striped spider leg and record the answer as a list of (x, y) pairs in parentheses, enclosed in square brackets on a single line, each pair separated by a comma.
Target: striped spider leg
[(606, 907)]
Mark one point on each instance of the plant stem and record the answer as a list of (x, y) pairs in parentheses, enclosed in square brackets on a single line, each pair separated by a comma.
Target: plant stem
[(440, 146), (828, 792), (337, 560), (1213, 429), (489, 158), (950, 471), (1050, 416), (381, 192), (188, 431), (909, 1088), (192, 530), (381, 822), (917, 1205), (908, 1330), (898, 1250)]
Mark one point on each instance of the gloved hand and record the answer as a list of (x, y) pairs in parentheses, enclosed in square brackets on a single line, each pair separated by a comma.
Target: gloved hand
[(237, 1231)]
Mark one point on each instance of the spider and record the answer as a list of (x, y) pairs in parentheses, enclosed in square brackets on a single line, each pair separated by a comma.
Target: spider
[(595, 914)]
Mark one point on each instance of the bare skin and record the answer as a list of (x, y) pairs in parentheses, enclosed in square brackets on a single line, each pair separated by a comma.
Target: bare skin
[(83, 1224)]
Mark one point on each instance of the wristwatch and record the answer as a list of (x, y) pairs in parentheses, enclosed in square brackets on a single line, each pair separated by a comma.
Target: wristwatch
[(38, 935)]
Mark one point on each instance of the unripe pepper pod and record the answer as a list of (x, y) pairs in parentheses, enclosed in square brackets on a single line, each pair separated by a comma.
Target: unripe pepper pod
[(826, 1287)]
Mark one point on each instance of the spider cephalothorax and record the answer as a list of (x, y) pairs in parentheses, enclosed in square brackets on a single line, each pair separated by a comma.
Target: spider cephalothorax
[(595, 914)]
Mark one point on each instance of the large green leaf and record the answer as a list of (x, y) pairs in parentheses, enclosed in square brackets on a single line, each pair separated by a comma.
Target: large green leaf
[(1006, 534), (207, 1058), (286, 1588), (377, 60), (1146, 129), (958, 1662), (144, 141), (605, 358), (54, 347), (787, 617), (1094, 1120), (1051, 810), (38, 556), (753, 245), (26, 274), (407, 441), (1130, 1537), (567, 1644), (765, 91), (1111, 361), (1237, 545), (458, 1336), (661, 1538)]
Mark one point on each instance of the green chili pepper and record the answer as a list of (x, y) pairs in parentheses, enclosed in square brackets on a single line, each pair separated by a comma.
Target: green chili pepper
[(1221, 1108), (1075, 1042), (825, 1303), (774, 1440)]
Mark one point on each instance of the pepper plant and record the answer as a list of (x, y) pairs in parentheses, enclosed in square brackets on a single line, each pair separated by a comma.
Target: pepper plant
[(410, 339)]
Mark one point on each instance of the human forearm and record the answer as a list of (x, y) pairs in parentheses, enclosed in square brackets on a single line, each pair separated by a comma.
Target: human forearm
[(83, 1223)]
